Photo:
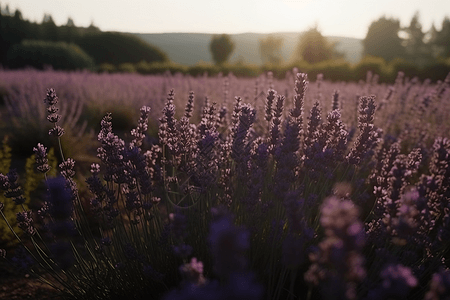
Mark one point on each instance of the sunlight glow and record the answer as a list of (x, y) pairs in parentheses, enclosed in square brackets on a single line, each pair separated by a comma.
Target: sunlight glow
[(349, 18)]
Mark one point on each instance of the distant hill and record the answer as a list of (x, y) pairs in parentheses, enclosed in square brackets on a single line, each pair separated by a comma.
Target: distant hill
[(192, 48)]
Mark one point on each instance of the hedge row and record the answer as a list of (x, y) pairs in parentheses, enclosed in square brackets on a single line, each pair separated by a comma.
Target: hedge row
[(334, 70)]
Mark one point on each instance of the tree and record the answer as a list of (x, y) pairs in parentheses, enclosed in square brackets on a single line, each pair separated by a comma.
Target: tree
[(49, 28), (382, 39), (270, 49), (221, 47), (416, 49), (442, 38), (313, 47)]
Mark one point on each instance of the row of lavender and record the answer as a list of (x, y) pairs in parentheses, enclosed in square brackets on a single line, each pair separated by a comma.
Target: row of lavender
[(346, 201)]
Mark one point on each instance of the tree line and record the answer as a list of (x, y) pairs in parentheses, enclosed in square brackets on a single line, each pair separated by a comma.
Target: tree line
[(24, 43), (385, 39)]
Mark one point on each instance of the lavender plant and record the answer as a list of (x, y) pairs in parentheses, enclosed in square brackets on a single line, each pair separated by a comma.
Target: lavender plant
[(248, 206)]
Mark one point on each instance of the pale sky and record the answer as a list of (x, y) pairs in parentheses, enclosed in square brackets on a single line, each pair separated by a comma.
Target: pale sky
[(350, 18)]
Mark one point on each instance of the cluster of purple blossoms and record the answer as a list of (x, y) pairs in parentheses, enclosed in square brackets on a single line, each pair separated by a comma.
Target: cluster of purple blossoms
[(25, 222), (439, 286), (51, 100), (9, 183), (338, 264), (193, 272), (139, 132), (41, 158), (396, 283), (178, 228), (369, 135)]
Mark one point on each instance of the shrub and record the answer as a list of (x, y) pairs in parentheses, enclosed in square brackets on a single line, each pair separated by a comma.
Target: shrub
[(435, 71), (31, 181), (39, 54), (106, 68), (126, 68), (400, 65), (144, 67), (117, 48), (202, 68), (376, 65), (336, 70)]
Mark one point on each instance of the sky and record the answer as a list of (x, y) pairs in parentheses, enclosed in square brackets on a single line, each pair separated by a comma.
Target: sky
[(348, 18)]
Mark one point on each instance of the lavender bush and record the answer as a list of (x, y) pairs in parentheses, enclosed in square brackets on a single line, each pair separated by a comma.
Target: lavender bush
[(336, 191)]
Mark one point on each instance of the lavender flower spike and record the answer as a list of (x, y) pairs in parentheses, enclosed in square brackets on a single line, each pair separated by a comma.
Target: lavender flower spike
[(139, 132), (41, 158)]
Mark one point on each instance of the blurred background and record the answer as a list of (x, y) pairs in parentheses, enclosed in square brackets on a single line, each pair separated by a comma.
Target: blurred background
[(245, 37)]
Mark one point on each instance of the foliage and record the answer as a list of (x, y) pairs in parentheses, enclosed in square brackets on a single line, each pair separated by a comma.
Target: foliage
[(103, 47), (313, 47), (383, 39), (270, 49), (42, 54), (416, 49), (159, 68), (221, 47), (117, 48), (376, 65), (440, 39), (7, 237)]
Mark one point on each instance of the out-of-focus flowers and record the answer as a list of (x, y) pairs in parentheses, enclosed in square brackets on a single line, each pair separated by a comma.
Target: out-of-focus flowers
[(338, 265), (439, 286)]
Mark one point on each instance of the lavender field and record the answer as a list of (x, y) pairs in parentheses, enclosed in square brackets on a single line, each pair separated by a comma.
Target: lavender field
[(180, 187)]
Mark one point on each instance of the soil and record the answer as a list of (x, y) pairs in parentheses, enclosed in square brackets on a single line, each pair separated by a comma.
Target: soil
[(21, 287)]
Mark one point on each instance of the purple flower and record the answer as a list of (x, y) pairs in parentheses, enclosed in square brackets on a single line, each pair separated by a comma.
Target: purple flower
[(338, 265), (228, 245), (193, 272), (140, 131), (51, 99), (301, 84), (190, 105), (271, 94), (368, 133), (335, 100), (397, 281), (56, 131), (276, 122), (439, 286), (40, 153), (240, 140), (67, 168), (25, 222), (59, 199), (22, 260)]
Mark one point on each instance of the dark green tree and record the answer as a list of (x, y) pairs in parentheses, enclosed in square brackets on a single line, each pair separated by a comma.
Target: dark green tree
[(49, 29), (221, 47), (313, 47), (270, 49), (13, 29), (69, 32), (382, 39), (117, 48), (442, 38), (416, 49)]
